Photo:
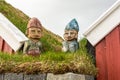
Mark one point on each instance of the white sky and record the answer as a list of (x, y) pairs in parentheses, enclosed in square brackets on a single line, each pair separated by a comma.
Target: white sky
[(56, 14)]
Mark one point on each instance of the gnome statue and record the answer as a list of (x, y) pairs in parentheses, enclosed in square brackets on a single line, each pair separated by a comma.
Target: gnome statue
[(70, 37), (33, 46)]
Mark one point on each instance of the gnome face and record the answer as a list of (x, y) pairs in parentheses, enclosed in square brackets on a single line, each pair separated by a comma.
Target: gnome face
[(34, 29), (71, 31), (34, 33), (70, 35)]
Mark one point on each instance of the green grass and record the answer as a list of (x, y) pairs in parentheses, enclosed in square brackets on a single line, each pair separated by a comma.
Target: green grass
[(50, 61)]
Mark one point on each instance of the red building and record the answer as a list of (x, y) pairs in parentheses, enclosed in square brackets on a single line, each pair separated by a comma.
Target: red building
[(11, 38), (4, 47), (104, 35)]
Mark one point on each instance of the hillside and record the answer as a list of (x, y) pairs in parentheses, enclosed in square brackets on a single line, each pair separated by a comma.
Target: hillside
[(50, 40)]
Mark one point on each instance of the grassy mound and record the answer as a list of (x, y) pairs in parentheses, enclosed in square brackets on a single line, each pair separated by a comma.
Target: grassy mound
[(49, 62)]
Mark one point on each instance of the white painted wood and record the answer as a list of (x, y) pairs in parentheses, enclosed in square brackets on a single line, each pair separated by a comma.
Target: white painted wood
[(103, 25), (11, 34)]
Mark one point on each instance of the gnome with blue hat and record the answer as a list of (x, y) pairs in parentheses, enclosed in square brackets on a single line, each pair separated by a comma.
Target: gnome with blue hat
[(71, 34)]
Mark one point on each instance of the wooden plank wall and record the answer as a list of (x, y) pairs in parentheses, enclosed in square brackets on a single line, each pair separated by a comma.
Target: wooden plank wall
[(108, 56), (1, 44), (4, 47), (101, 60)]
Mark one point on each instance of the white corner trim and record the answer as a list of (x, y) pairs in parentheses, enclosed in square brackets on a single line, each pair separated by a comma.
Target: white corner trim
[(11, 34), (102, 17), (104, 24)]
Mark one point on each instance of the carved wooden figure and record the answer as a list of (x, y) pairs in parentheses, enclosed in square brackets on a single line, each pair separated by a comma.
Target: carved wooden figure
[(71, 34), (34, 31)]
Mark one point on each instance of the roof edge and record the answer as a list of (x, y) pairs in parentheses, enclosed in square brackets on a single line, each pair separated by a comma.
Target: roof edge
[(102, 17)]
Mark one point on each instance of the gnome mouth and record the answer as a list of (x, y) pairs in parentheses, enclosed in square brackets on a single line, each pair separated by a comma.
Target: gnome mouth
[(35, 37), (70, 38)]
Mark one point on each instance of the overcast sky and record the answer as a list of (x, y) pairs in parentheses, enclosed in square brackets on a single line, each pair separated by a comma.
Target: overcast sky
[(56, 14)]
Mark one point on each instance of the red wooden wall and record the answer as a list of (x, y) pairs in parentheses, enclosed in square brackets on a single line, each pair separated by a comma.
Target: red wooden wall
[(4, 47), (108, 56)]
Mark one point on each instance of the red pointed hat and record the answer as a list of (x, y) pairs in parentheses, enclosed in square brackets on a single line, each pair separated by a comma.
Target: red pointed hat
[(34, 22)]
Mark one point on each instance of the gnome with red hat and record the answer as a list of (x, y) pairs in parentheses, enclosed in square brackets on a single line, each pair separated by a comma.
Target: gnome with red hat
[(34, 31)]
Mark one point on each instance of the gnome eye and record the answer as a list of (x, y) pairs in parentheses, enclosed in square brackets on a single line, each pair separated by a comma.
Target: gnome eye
[(39, 31), (33, 31), (66, 33), (71, 33)]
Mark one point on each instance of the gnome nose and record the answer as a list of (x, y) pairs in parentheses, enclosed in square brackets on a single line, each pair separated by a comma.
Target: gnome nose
[(69, 34), (36, 35)]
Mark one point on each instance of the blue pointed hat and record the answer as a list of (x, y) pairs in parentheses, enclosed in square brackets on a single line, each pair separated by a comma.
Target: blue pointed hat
[(72, 25)]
